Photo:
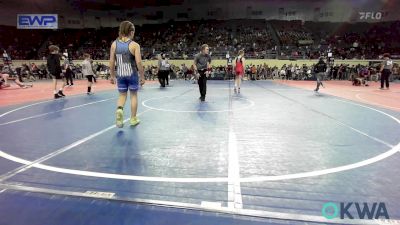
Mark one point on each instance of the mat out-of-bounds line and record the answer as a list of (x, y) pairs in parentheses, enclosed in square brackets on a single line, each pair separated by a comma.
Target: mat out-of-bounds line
[(41, 102), (55, 153), (48, 113), (36, 163), (225, 210), (375, 159), (394, 149), (375, 103)]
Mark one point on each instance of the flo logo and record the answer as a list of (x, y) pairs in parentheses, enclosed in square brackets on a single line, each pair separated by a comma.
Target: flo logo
[(364, 210), (370, 15)]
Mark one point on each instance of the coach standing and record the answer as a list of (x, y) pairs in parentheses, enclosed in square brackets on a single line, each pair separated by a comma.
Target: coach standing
[(386, 70), (202, 66)]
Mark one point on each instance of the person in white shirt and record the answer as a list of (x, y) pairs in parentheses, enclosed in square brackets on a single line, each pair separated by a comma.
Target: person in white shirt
[(164, 68), (87, 71), (6, 58), (282, 73), (227, 56), (65, 54)]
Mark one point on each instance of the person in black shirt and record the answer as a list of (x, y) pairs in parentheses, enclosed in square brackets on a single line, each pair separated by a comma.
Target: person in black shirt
[(202, 66), (320, 69), (54, 67)]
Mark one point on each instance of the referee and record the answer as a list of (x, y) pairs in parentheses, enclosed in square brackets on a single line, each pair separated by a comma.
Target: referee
[(164, 68), (202, 66), (386, 70)]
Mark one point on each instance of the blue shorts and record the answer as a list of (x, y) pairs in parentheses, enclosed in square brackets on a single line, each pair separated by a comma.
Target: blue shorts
[(125, 83)]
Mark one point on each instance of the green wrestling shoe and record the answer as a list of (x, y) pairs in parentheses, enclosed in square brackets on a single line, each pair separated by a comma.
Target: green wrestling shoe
[(134, 121), (119, 118)]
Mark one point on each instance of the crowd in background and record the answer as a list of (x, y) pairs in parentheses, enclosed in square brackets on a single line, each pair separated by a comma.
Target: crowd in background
[(260, 39), (357, 74), (180, 40)]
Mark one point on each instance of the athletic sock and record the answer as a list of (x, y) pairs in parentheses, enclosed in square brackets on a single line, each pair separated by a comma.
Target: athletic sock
[(89, 89)]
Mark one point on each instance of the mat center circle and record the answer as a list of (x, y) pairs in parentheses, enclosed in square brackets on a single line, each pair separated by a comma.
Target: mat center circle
[(184, 104)]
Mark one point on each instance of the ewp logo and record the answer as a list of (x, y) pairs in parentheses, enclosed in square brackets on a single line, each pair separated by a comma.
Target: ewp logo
[(331, 210), (37, 21)]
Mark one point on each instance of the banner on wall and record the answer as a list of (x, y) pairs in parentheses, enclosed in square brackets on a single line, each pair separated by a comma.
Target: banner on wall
[(37, 21)]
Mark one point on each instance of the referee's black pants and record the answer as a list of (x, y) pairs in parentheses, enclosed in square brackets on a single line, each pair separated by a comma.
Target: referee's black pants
[(162, 76), (202, 83), (68, 76), (385, 77)]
